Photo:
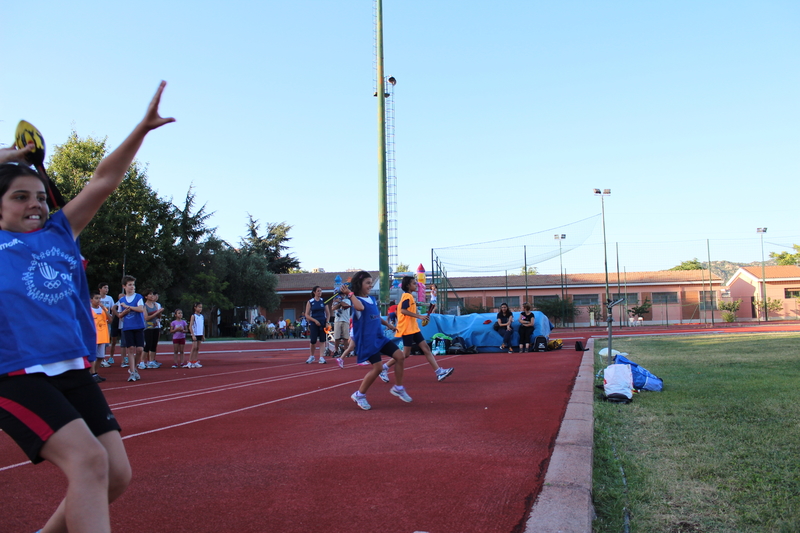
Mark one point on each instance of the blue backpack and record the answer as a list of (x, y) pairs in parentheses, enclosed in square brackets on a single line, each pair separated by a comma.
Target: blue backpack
[(643, 379)]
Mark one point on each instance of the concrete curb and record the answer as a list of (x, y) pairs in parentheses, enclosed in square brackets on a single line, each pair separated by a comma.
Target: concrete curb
[(565, 503)]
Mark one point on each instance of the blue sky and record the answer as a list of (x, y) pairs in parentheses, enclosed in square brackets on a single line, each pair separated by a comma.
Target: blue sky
[(508, 114)]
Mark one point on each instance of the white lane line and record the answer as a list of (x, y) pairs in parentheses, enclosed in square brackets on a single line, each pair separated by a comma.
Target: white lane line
[(210, 417)]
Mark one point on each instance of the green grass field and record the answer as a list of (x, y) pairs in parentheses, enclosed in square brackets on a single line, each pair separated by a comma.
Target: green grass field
[(717, 451)]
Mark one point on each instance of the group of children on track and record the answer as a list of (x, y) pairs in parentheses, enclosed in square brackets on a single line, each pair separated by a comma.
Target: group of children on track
[(134, 321), (355, 305)]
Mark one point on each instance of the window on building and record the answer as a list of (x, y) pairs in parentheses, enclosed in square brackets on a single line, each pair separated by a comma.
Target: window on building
[(511, 301), (631, 298), (453, 302), (791, 293), (708, 300), (665, 297), (585, 299), (540, 299)]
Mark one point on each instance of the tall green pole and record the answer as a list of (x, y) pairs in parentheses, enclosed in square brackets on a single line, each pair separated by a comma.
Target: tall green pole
[(383, 224)]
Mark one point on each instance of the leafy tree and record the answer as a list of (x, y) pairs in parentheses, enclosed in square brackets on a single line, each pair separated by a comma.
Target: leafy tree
[(641, 310), (785, 258), (598, 311), (193, 246), (693, 264), (532, 271), (270, 246), (729, 310), (252, 284), (773, 306), (403, 267), (732, 306), (133, 231), (561, 311)]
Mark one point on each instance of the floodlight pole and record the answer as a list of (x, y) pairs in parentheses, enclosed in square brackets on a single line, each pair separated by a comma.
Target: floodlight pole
[(761, 232), (560, 237), (383, 224), (602, 194)]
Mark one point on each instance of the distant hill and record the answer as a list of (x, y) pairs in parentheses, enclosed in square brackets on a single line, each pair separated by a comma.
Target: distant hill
[(726, 269)]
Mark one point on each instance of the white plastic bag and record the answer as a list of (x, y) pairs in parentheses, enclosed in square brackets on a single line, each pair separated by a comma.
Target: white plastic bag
[(618, 380)]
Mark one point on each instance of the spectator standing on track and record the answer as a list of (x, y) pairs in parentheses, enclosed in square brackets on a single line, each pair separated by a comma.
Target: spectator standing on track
[(408, 328), (303, 326), (525, 328), (318, 315), (152, 331), (108, 304), (503, 326), (131, 309), (101, 322), (341, 327), (368, 335), (196, 327), (50, 335), (391, 313), (116, 336), (178, 329)]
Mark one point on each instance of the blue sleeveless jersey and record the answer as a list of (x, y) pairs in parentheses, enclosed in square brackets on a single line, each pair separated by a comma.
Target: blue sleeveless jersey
[(45, 316), (318, 310), (367, 329)]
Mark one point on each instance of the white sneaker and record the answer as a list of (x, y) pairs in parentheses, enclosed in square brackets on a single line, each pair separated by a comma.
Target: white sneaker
[(322, 360), (141, 366), (402, 394), (361, 401), (340, 361), (152, 364), (198, 365), (441, 376), (384, 375), (310, 360), (105, 364)]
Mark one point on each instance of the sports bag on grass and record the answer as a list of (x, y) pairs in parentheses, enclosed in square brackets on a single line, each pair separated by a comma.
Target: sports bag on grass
[(618, 383)]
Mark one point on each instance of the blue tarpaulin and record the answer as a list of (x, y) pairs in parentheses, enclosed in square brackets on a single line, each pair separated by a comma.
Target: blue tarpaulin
[(473, 330)]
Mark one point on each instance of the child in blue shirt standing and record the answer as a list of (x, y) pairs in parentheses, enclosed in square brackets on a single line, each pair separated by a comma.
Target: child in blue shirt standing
[(49, 403)]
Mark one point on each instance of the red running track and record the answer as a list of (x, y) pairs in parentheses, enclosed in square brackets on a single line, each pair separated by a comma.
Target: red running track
[(258, 441)]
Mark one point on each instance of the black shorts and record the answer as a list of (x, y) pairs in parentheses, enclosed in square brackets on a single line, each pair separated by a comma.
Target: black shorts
[(411, 340), (151, 339), (34, 406), (316, 333), (388, 349), (133, 337), (115, 331)]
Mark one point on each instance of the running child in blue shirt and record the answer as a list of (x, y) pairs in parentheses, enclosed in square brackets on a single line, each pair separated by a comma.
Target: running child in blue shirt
[(368, 336), (49, 403)]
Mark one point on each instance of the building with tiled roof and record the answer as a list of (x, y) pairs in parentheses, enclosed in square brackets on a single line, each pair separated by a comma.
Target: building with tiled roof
[(782, 284), (677, 296)]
